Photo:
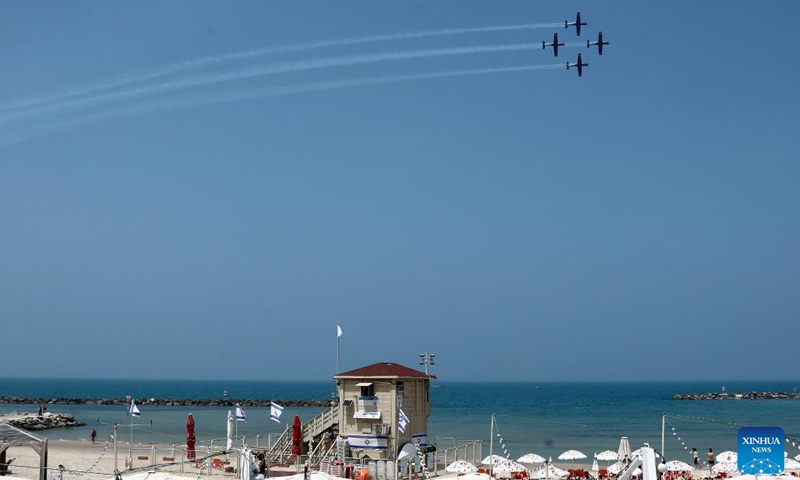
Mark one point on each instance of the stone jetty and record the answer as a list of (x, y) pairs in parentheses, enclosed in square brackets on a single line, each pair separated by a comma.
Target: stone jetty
[(737, 396), (167, 402), (32, 421)]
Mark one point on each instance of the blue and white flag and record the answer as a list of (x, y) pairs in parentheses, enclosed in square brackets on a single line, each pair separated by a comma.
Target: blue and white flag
[(134, 410), (275, 411), (240, 416), (402, 421)]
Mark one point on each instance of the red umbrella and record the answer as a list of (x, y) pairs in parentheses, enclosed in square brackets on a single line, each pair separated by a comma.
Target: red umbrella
[(190, 454), (296, 432)]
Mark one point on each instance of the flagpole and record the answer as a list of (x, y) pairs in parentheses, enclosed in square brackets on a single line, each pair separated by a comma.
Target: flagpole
[(338, 336)]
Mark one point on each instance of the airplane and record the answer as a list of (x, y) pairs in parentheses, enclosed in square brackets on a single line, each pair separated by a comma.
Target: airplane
[(580, 65), (599, 43), (577, 24), (555, 45)]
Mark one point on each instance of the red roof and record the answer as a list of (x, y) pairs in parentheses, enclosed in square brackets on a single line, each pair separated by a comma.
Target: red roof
[(384, 370)]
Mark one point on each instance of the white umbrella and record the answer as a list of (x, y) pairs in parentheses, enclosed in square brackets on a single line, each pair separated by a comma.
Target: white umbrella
[(493, 459), (636, 472), (615, 468), (608, 456), (509, 466), (790, 464), (727, 456), (246, 461), (230, 430), (549, 471), (678, 466), (531, 458), (571, 455), (624, 451), (474, 476), (727, 467), (595, 467), (460, 466)]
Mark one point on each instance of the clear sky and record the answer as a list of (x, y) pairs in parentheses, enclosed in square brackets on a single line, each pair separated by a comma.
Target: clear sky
[(170, 209)]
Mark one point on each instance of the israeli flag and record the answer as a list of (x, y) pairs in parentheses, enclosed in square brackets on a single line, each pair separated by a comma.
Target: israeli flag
[(133, 411), (402, 421), (240, 416), (275, 411)]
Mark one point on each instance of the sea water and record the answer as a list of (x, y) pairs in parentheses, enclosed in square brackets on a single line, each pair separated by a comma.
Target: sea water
[(545, 418)]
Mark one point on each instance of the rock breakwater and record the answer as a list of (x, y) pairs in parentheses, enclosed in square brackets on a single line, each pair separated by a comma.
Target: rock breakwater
[(32, 421), (167, 402), (737, 396)]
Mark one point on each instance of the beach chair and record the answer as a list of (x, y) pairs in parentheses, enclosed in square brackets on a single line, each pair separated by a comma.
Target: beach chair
[(602, 473), (217, 463)]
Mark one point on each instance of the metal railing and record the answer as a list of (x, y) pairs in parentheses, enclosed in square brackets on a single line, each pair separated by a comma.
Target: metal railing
[(323, 421)]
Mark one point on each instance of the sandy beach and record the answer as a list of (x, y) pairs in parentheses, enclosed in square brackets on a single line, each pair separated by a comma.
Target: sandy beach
[(82, 459)]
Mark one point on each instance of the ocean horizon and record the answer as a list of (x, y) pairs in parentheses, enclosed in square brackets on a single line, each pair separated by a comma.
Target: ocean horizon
[(546, 418)]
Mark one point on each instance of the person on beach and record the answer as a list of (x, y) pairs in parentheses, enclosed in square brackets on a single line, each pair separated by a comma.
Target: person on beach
[(94, 434), (696, 457), (710, 458), (40, 410)]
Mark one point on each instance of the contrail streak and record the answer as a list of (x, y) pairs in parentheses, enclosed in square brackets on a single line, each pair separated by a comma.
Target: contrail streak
[(206, 61), (232, 96), (261, 71)]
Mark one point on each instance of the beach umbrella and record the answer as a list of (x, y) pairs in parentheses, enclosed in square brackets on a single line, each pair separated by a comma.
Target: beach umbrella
[(615, 468), (493, 459), (727, 467), (637, 472), (190, 439), (571, 455), (509, 466), (595, 467), (549, 471), (624, 451), (297, 427), (460, 466), (246, 462), (727, 456), (790, 464), (474, 476), (531, 458), (608, 456), (230, 430), (678, 466)]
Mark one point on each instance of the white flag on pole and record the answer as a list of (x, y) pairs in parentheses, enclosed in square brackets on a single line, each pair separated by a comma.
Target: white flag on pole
[(275, 411), (338, 330), (134, 410), (240, 416), (402, 421)]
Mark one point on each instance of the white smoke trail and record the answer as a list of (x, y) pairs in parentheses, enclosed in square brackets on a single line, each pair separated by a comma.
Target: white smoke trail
[(206, 61), (260, 71), (239, 95)]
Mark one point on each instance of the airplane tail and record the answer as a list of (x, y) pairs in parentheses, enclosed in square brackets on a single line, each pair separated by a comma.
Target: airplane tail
[(588, 43), (567, 65), (566, 24), (543, 45)]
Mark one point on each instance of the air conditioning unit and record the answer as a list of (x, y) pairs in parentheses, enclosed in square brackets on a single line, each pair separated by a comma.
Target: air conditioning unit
[(382, 429)]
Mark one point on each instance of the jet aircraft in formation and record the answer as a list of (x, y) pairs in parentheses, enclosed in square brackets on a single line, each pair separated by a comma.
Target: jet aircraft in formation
[(589, 43), (599, 43), (555, 45), (577, 24), (579, 65)]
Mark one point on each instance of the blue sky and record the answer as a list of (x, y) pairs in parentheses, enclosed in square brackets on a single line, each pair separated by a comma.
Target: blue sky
[(639, 223)]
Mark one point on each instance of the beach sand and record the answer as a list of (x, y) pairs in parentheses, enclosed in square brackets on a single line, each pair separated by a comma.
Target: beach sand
[(79, 456)]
